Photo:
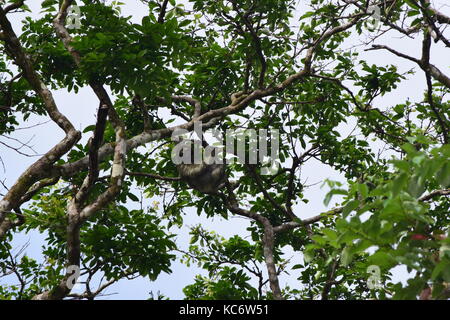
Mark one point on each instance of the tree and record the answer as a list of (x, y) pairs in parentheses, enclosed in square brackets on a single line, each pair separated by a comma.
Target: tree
[(267, 64)]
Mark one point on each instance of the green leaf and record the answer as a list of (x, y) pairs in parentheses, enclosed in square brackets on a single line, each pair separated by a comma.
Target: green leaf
[(364, 190), (346, 256), (89, 128), (443, 175), (133, 197), (349, 207), (381, 259), (399, 184)]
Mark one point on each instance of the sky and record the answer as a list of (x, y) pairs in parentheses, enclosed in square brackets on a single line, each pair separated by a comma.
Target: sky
[(81, 107)]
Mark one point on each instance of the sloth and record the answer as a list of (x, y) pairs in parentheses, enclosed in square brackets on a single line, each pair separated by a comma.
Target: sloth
[(200, 173)]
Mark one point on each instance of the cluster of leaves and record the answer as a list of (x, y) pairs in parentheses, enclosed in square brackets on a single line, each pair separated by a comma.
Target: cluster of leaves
[(16, 97), (229, 264), (119, 242), (394, 219)]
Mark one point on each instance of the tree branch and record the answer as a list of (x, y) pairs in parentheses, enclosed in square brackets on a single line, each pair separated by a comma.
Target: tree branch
[(433, 194), (77, 212), (14, 6), (162, 13), (40, 168), (434, 71)]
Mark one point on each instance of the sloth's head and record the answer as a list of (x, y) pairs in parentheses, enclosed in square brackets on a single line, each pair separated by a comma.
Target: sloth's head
[(201, 175)]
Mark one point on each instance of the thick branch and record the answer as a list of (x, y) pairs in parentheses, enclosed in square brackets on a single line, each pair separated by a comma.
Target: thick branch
[(96, 142), (162, 13), (36, 188), (77, 212), (434, 71), (195, 103), (292, 225), (434, 194), (425, 6), (425, 61), (120, 149), (331, 275), (440, 17), (305, 222), (40, 168), (238, 102), (268, 241), (14, 6)]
